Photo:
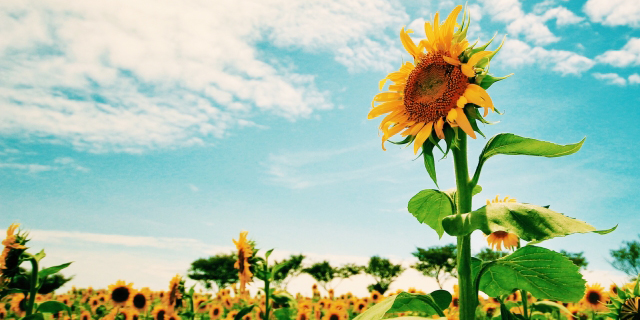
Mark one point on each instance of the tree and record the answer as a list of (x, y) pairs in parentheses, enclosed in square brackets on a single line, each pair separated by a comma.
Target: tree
[(218, 269), (322, 272), (383, 272), (488, 254), (437, 262), (577, 258), (50, 284), (291, 269), (627, 258)]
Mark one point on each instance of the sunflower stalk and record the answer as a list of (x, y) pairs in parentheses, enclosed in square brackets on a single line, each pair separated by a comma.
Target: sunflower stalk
[(468, 295), (33, 285)]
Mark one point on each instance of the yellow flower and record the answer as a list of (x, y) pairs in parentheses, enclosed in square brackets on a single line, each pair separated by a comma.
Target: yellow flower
[(215, 312), (499, 238), (244, 253), (174, 297), (435, 89), (10, 257), (159, 312), (121, 293), (140, 299), (595, 297)]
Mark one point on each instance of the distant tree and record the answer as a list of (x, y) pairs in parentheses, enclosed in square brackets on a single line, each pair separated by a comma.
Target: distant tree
[(322, 272), (627, 258), (291, 269), (50, 284), (218, 269), (577, 258), (437, 262), (488, 254), (383, 272)]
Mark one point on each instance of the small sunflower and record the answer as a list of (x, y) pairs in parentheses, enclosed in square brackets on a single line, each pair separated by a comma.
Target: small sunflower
[(19, 304), (334, 314), (3, 312), (361, 306), (595, 297), (490, 309), (375, 296), (174, 297), (85, 315), (231, 314), (244, 253), (303, 315), (159, 312), (200, 304), (172, 316), (215, 312), (94, 303), (443, 86), (121, 293), (130, 314), (626, 304), (140, 300)]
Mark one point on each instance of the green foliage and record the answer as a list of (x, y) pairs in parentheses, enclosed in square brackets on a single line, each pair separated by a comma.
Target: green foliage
[(322, 272), (244, 312), (577, 258), (431, 207), (349, 270), (511, 144), (53, 307), (383, 272), (527, 221), (544, 273), (627, 258), (437, 262), (47, 285), (487, 254), (429, 304), (218, 269), (290, 268)]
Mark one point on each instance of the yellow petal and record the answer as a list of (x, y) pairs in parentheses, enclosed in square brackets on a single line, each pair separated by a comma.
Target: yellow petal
[(390, 119), (449, 25), (462, 101), (483, 93), (408, 44), (477, 57), (413, 129), (439, 126), (468, 70), (464, 123), (452, 115), (382, 82), (451, 61), (384, 108), (436, 28), (386, 96), (422, 136)]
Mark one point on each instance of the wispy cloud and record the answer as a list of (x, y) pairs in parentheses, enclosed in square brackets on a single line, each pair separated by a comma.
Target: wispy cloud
[(611, 78), (614, 12), (15, 160), (517, 53), (629, 55)]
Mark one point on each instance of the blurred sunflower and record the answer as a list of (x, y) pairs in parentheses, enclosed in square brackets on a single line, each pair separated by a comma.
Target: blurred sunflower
[(159, 312), (361, 306), (94, 303), (490, 309), (172, 316), (85, 315), (19, 304), (174, 297), (140, 300), (232, 314), (130, 314), (121, 293), (215, 312), (303, 315), (14, 246), (375, 296), (626, 304), (443, 86), (334, 314), (3, 312), (595, 297), (244, 253)]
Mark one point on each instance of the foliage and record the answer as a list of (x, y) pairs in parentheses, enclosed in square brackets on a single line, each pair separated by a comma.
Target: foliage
[(488, 254), (291, 268), (384, 272), (49, 284), (324, 273), (577, 258), (218, 269), (438, 262), (627, 258)]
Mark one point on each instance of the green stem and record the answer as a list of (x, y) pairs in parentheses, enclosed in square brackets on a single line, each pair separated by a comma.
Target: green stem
[(525, 302), (33, 290), (267, 293), (467, 293)]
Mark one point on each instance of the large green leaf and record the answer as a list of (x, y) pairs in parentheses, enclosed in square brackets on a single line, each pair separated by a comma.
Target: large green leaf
[(544, 273), (244, 312), (53, 307), (429, 161), (511, 144), (430, 304), (527, 221), (430, 207), (51, 270)]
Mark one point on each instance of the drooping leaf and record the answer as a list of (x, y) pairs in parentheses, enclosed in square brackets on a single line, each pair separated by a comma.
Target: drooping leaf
[(51, 270), (527, 221), (244, 312), (430, 207), (40, 255), (430, 304), (429, 163), (511, 144), (53, 307), (544, 273), (487, 80)]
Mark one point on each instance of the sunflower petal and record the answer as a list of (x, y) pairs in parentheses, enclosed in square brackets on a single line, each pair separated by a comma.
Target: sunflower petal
[(451, 61), (463, 122), (384, 108), (422, 136), (408, 44), (438, 128)]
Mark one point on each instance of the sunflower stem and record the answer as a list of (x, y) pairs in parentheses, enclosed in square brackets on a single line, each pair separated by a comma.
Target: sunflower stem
[(525, 308), (33, 290), (468, 297)]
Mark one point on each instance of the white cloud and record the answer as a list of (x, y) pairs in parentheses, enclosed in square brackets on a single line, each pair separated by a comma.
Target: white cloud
[(634, 79), (614, 12), (131, 76), (193, 188), (29, 167), (370, 55), (629, 55), (32, 168), (611, 78), (518, 53), (530, 25)]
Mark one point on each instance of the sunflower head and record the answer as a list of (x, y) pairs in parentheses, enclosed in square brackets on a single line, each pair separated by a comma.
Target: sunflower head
[(14, 246), (140, 300), (625, 305), (439, 92), (245, 251), (176, 290), (121, 293), (595, 298)]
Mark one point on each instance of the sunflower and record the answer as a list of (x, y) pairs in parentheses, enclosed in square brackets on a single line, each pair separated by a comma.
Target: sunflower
[(140, 299), (304, 315), (94, 303), (232, 314), (174, 297), (130, 314), (361, 306), (490, 309), (3, 312), (159, 312), (443, 86), (244, 253), (375, 296), (334, 314), (215, 312), (227, 301), (626, 304), (14, 246), (85, 315), (19, 304), (200, 304), (121, 293), (595, 297), (172, 316)]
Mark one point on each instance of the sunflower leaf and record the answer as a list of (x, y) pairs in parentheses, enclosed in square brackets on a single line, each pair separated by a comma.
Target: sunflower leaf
[(470, 112), (429, 163), (488, 80), (529, 222), (430, 207), (511, 144), (544, 273), (53, 307), (429, 304), (51, 270), (244, 312)]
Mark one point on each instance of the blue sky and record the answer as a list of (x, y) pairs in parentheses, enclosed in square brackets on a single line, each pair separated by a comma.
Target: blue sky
[(174, 127)]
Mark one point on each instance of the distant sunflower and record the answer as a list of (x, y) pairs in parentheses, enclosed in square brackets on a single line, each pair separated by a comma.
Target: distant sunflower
[(242, 264), (19, 304), (595, 297), (361, 306), (303, 315), (121, 293), (159, 312), (375, 296), (490, 309), (200, 304), (626, 304), (227, 301), (331, 293), (247, 317), (232, 314), (130, 314), (140, 300), (14, 246), (498, 238), (174, 297), (3, 312), (94, 303), (439, 88), (215, 312), (85, 315), (613, 289), (335, 315), (172, 316)]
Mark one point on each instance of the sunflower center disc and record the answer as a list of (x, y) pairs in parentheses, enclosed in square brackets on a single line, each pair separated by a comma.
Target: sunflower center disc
[(120, 294), (593, 297), (139, 301), (433, 89)]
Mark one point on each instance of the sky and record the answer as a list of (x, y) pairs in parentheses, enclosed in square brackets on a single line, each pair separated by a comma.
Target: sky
[(138, 136)]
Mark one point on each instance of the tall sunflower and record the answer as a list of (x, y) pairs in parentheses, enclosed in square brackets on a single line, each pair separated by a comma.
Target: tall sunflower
[(443, 86), (14, 246), (244, 253)]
